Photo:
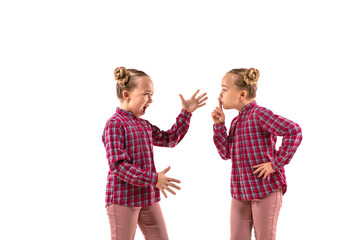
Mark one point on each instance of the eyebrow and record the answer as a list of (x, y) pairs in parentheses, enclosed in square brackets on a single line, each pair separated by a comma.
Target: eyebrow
[(223, 85)]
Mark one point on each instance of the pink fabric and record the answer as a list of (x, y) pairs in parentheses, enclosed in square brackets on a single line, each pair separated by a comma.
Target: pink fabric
[(124, 220), (260, 213), (129, 145), (252, 141)]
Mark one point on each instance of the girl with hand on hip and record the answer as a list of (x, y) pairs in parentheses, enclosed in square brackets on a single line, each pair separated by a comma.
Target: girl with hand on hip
[(258, 178), (133, 185)]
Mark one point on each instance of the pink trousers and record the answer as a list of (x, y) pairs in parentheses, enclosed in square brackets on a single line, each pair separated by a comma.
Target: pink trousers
[(260, 213), (124, 220)]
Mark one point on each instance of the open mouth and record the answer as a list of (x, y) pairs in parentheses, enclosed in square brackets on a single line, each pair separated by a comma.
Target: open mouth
[(144, 109)]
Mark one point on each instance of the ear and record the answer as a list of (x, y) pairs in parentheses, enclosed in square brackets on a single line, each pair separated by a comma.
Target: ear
[(126, 95), (243, 95)]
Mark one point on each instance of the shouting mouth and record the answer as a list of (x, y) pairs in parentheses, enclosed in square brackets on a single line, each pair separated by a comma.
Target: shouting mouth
[(144, 109)]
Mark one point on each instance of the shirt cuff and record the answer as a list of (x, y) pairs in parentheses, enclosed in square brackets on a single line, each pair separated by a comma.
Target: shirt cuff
[(219, 128), (154, 179), (185, 116), (186, 112), (274, 166)]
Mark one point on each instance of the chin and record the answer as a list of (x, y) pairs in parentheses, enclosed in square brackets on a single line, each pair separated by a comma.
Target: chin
[(141, 112)]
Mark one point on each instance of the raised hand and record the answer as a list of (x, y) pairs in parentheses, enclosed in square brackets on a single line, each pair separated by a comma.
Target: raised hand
[(164, 182), (194, 102), (264, 169), (218, 115)]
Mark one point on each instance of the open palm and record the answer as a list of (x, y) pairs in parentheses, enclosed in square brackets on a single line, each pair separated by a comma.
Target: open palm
[(194, 102)]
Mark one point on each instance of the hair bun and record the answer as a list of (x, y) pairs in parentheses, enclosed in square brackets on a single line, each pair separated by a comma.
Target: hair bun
[(251, 76), (122, 75)]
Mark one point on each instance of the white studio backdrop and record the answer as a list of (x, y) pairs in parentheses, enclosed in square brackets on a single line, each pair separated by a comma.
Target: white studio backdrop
[(57, 91)]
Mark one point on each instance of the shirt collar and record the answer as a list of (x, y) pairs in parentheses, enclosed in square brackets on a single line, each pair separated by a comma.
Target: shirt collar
[(248, 106), (125, 113)]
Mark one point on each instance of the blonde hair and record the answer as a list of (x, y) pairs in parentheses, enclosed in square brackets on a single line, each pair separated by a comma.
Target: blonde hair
[(246, 80), (125, 79)]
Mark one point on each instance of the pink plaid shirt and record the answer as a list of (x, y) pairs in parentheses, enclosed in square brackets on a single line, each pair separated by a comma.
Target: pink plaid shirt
[(129, 149), (251, 141)]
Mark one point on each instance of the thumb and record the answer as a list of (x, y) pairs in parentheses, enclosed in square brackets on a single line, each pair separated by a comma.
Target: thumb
[(166, 170), (182, 98)]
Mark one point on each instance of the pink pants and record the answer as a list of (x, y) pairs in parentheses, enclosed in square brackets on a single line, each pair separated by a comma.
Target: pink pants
[(123, 221), (262, 213)]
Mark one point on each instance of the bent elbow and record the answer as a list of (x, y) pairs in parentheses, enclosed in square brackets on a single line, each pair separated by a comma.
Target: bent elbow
[(224, 156), (298, 129), (295, 130)]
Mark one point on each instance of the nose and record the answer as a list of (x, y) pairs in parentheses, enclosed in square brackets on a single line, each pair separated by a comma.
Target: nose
[(150, 99), (220, 95)]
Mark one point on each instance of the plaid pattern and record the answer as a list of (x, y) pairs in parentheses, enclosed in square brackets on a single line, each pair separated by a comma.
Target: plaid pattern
[(129, 149), (251, 141)]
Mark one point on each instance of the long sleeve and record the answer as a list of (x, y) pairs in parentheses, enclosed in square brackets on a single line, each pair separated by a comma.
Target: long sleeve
[(280, 126), (221, 140), (118, 158), (173, 136)]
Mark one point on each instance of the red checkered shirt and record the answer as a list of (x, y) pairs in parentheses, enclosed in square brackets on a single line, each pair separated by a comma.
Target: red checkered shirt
[(251, 141), (129, 149)]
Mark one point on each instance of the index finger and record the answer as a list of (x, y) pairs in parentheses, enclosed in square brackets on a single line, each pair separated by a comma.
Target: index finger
[(201, 96), (259, 165), (220, 103), (196, 93)]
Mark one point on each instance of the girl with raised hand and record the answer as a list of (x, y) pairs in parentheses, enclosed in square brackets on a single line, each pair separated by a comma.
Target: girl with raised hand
[(258, 178), (133, 185)]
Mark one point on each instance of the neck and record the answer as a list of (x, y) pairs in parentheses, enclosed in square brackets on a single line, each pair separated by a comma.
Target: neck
[(124, 106), (244, 103)]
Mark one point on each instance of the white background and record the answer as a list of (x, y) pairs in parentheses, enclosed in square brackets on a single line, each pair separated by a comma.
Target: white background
[(57, 91)]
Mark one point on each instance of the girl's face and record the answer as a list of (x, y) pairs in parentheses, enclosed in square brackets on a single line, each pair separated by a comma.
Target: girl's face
[(139, 99), (230, 96)]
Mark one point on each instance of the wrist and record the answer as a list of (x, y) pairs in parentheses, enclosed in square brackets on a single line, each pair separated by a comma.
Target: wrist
[(273, 166), (186, 110), (155, 179)]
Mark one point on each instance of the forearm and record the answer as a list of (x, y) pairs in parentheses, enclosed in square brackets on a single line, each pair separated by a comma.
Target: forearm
[(133, 175), (288, 147), (177, 132), (221, 140)]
